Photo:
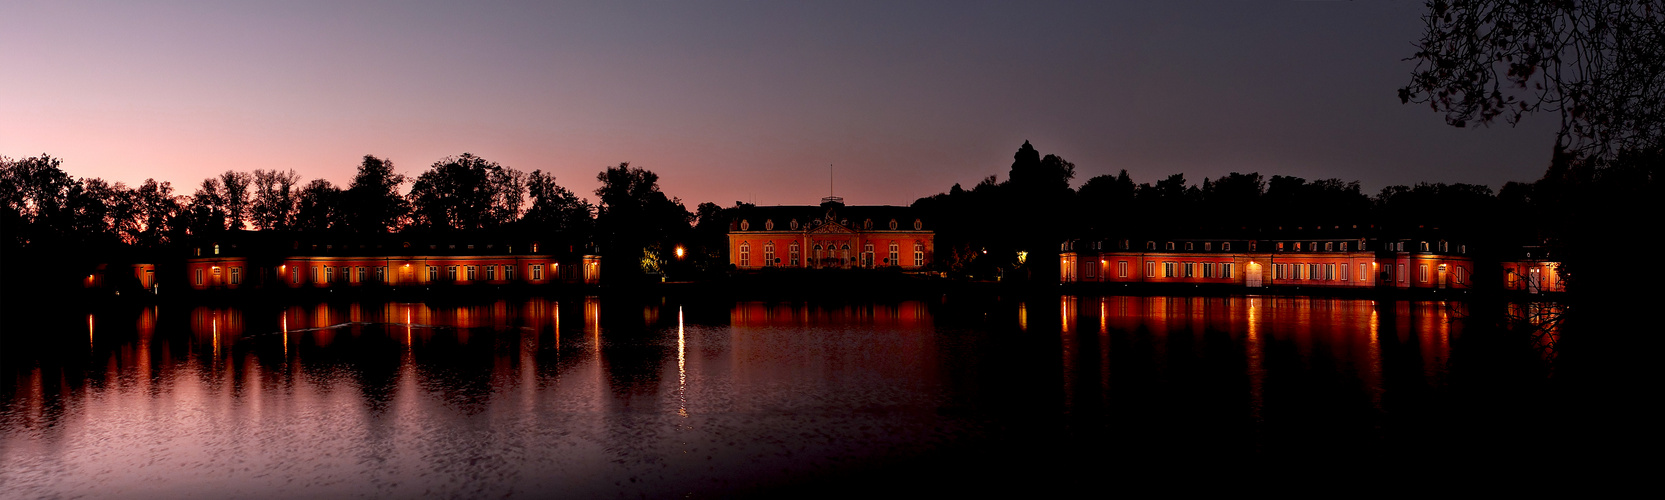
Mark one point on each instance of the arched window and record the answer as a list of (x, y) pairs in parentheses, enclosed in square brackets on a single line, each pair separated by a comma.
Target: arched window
[(745, 225), (794, 224), (844, 256), (867, 255), (867, 224), (918, 224), (769, 225), (895, 249), (893, 224), (918, 254), (794, 262), (818, 255), (769, 253)]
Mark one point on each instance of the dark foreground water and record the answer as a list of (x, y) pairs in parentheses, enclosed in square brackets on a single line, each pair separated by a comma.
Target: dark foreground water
[(606, 397)]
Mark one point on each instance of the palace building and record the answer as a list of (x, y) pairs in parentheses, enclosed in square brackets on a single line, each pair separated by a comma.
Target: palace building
[(1322, 263), (295, 261), (829, 236)]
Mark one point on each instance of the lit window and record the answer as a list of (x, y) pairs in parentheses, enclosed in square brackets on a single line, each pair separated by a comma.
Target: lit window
[(769, 253), (509, 272), (537, 272), (329, 274), (1150, 269), (1422, 273), (918, 252), (1329, 271), (895, 250), (1280, 246), (471, 273), (745, 254), (433, 273), (236, 275)]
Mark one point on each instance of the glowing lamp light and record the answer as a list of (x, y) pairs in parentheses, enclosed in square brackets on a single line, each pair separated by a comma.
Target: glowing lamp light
[(679, 251)]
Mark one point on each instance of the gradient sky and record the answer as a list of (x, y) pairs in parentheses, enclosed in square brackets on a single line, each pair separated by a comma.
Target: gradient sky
[(736, 101)]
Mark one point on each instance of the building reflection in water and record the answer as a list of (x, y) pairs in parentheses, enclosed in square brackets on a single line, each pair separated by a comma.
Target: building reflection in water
[(402, 399)]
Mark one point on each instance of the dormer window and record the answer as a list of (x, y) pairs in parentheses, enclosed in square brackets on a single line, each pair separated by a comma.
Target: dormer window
[(1187, 246), (1125, 244), (745, 225), (1225, 246), (1208, 246), (1280, 246), (793, 224), (918, 224), (1168, 246), (769, 225), (216, 249), (1150, 245), (1329, 246), (534, 248), (1424, 246), (1297, 246), (893, 224), (1343, 246), (867, 224)]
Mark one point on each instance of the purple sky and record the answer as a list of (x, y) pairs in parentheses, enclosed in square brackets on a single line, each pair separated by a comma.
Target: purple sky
[(738, 101)]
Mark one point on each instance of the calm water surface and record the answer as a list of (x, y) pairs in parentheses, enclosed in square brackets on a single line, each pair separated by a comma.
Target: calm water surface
[(588, 396)]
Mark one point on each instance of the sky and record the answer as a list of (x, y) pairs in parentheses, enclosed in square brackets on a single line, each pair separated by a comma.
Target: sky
[(739, 101)]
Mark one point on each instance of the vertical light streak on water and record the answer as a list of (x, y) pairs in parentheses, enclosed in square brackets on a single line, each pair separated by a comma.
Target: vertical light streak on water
[(1103, 351), (556, 310), (283, 326), (1023, 317), (1374, 376), (1067, 346), (1257, 370), (681, 367)]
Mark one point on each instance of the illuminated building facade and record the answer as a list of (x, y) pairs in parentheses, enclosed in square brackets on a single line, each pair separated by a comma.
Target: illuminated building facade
[(1323, 263), (829, 236), (388, 261)]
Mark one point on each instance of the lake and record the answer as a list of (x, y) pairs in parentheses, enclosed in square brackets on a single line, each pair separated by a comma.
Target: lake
[(581, 396)]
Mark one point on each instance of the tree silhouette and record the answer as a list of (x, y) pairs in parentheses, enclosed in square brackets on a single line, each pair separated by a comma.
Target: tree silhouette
[(635, 222), (372, 203), (317, 207), (467, 192), (273, 207), (1599, 64)]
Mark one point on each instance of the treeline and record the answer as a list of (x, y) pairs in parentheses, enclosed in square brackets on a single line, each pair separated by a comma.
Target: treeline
[(47, 214), (980, 231)]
